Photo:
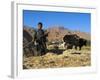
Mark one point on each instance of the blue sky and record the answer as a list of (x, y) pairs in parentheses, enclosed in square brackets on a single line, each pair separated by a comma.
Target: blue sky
[(70, 20)]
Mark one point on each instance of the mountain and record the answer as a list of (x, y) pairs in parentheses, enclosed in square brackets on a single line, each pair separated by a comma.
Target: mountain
[(56, 33)]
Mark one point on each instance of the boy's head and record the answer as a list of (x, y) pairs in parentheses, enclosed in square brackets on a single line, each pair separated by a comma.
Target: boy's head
[(40, 25)]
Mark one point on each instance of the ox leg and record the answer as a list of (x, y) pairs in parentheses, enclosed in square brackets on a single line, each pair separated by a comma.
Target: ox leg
[(75, 47), (80, 47)]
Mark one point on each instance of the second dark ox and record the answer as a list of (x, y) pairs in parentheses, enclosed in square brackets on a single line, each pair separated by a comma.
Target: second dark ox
[(74, 40)]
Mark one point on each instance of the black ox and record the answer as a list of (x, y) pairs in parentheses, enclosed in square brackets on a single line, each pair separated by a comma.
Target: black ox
[(74, 40)]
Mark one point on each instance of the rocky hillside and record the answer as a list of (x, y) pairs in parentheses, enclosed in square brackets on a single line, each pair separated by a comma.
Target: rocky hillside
[(57, 33)]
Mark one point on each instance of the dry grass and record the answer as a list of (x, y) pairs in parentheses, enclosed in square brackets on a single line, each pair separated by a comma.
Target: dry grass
[(68, 58)]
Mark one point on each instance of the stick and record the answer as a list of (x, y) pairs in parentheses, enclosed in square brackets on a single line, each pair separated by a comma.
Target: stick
[(27, 44)]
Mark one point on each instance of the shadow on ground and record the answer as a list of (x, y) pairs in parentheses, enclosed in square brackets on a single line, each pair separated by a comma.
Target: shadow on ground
[(56, 51)]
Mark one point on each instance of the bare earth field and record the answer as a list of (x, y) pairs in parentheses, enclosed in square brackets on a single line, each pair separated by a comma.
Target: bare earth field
[(68, 58)]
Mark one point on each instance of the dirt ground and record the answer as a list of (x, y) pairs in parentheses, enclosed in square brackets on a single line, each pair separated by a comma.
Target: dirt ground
[(58, 59)]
